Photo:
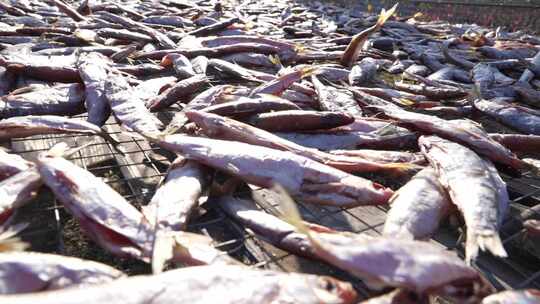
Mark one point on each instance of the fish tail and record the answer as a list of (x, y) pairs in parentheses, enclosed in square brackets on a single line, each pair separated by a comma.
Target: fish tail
[(162, 250), (486, 241), (9, 241), (308, 71), (385, 15), (402, 168), (290, 212)]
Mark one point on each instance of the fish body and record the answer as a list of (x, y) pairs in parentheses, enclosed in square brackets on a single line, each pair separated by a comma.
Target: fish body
[(104, 215), (418, 207), (58, 100), (93, 69), (204, 284), (30, 125), (475, 187), (308, 180), (516, 116), (26, 272), (16, 191), (129, 109), (170, 208)]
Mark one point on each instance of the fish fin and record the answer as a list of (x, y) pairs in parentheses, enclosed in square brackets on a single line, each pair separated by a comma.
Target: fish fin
[(308, 71), (403, 168), (162, 250), (58, 150), (404, 101), (290, 213), (385, 15), (8, 240), (487, 241)]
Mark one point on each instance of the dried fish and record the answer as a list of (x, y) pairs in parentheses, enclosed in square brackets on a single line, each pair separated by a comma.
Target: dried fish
[(518, 117), (353, 49), (418, 207), (16, 191), (11, 164), (475, 188), (175, 93), (298, 120), (57, 100), (198, 285), (463, 131), (308, 180), (46, 124), (416, 266), (44, 272), (171, 209), (93, 69), (224, 128), (104, 215), (130, 111)]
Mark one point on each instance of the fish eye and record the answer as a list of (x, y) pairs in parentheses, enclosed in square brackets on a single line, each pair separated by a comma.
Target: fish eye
[(328, 285)]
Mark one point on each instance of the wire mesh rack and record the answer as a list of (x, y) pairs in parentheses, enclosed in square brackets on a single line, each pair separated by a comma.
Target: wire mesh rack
[(137, 171)]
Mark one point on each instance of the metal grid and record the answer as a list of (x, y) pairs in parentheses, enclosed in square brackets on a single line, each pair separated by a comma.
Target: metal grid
[(49, 223)]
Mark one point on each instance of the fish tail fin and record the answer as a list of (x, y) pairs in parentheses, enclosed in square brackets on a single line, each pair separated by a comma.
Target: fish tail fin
[(9, 241), (290, 212), (162, 250), (402, 168), (487, 241), (385, 15), (62, 149), (308, 71)]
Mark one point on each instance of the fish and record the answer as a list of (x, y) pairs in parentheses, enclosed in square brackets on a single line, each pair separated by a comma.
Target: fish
[(475, 187), (357, 42), (178, 91), (182, 66), (198, 285), (416, 266), (213, 28), (170, 209), (383, 156), (129, 109), (104, 215), (308, 180), (283, 82), (46, 272), (44, 67), (299, 120), (520, 118), (247, 106), (57, 100), (93, 70), (525, 296), (518, 142), (270, 228), (334, 99), (215, 126), (363, 72), (17, 191), (417, 208), (24, 126), (463, 131), (11, 164)]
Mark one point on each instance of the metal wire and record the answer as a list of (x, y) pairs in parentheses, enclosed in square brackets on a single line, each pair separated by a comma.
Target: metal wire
[(243, 244)]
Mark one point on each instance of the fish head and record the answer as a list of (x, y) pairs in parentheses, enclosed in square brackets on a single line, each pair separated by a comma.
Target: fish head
[(210, 123)]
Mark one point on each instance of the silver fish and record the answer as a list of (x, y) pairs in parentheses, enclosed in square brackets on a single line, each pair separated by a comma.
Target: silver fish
[(417, 207), (475, 187), (24, 272), (204, 284)]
